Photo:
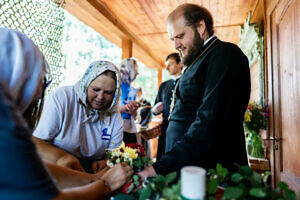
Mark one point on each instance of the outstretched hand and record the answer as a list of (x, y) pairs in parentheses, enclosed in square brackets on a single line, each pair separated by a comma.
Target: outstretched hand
[(132, 107), (98, 165), (147, 172), (70, 161), (118, 175)]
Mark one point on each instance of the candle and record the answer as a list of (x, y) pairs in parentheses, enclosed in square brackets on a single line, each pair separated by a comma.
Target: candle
[(193, 183)]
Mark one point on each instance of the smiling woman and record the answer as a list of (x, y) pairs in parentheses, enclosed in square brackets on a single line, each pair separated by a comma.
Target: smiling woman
[(80, 122), (101, 91)]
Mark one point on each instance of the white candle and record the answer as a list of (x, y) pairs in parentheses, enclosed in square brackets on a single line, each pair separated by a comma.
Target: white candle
[(193, 183)]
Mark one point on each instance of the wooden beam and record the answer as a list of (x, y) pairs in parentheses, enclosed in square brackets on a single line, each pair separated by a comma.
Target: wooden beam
[(126, 48), (95, 14), (159, 77)]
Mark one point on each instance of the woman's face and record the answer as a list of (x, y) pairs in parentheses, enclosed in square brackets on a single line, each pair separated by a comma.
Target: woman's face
[(100, 92)]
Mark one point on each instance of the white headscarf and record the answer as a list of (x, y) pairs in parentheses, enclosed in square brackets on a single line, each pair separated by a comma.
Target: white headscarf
[(21, 66), (127, 69), (93, 71)]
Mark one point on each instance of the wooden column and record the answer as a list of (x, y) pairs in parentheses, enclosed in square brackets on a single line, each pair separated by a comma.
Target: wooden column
[(126, 48), (159, 77)]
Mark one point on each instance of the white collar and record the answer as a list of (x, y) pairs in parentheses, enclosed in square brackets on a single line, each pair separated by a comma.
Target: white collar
[(206, 41)]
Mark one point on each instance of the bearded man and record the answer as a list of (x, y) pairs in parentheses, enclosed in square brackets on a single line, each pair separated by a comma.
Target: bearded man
[(211, 96)]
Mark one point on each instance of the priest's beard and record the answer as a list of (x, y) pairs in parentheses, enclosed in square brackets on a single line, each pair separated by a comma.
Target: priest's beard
[(194, 51)]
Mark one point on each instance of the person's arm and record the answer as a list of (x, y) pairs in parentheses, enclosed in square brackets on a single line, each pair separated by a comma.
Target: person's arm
[(67, 178), (99, 189), (56, 155), (50, 125), (158, 105)]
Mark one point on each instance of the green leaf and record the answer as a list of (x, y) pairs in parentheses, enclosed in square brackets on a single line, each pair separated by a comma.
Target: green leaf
[(257, 192), (257, 179), (283, 185), (167, 193), (290, 195), (221, 172), (236, 177), (135, 177), (122, 196), (145, 193), (160, 179), (233, 192), (171, 177), (145, 159), (212, 171), (245, 171), (212, 186)]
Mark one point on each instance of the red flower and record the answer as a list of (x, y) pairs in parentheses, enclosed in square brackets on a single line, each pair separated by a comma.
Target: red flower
[(128, 187), (140, 149)]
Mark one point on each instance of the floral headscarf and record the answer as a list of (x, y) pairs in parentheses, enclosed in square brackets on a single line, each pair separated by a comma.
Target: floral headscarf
[(21, 66), (127, 70), (93, 71)]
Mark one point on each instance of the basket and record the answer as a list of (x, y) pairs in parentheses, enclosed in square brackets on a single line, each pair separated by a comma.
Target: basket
[(151, 132)]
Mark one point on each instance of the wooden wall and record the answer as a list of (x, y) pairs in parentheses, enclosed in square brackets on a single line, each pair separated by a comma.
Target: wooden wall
[(283, 83), (255, 87)]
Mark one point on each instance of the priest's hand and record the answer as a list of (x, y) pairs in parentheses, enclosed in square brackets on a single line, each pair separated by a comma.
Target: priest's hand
[(147, 172)]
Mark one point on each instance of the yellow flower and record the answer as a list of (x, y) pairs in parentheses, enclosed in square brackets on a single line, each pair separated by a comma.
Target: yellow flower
[(132, 152), (247, 117)]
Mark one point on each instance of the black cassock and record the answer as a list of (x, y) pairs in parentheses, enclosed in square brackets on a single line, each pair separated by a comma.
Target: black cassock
[(164, 95), (206, 126)]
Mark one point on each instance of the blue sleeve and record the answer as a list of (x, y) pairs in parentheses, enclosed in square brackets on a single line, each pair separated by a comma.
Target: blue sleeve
[(23, 175)]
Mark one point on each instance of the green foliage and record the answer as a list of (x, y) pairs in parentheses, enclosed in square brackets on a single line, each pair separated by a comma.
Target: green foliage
[(141, 161), (159, 187), (245, 185), (241, 185)]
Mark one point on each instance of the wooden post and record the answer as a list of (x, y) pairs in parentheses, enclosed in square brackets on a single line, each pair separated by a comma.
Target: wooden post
[(159, 77), (126, 48)]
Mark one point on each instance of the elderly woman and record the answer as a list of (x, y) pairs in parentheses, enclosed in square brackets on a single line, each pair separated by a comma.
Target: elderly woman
[(82, 121), (129, 106), (23, 175)]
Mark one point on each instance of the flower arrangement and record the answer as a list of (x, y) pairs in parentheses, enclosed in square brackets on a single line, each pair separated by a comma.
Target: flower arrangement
[(255, 119), (133, 154)]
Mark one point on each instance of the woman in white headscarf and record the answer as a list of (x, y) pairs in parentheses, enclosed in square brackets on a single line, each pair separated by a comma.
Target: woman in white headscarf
[(129, 106), (80, 122), (23, 175)]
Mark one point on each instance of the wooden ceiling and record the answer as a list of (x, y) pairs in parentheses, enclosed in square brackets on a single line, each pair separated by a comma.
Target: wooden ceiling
[(144, 22)]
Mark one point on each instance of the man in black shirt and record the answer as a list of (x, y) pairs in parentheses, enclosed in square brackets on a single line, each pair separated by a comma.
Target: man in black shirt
[(211, 96), (164, 98)]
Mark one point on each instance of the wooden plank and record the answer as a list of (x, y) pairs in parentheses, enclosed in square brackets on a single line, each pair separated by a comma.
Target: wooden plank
[(96, 15), (126, 48), (159, 77)]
